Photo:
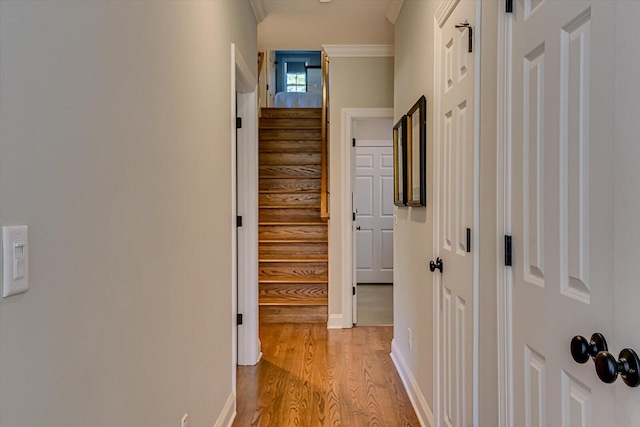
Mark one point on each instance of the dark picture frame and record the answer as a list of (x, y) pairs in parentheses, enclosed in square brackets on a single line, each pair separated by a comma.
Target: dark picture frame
[(400, 162), (416, 128)]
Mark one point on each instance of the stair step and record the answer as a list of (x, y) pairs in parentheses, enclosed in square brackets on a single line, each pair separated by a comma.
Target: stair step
[(292, 172), (289, 185), (289, 199), (294, 314), (308, 231), (309, 113), (290, 123), (290, 146), (292, 250), (290, 134), (292, 281), (316, 271), (278, 292), (290, 159), (286, 214), (291, 260)]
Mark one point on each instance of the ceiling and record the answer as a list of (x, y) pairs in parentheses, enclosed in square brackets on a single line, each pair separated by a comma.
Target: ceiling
[(309, 24)]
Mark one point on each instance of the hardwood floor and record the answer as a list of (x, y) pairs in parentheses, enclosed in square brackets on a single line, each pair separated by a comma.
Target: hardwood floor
[(310, 376)]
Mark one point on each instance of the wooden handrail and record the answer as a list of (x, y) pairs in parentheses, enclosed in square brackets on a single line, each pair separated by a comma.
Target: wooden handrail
[(324, 182)]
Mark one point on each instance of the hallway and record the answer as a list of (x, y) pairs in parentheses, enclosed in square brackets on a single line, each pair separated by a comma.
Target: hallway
[(310, 376)]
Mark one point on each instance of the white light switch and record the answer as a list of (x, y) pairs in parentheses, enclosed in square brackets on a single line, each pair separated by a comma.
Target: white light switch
[(15, 260)]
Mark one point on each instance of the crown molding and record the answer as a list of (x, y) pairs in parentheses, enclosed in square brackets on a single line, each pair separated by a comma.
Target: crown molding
[(259, 9), (358, 50), (393, 10)]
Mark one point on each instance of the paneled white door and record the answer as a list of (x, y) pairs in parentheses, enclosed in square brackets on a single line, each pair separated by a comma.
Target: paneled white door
[(455, 166), (374, 211), (561, 216)]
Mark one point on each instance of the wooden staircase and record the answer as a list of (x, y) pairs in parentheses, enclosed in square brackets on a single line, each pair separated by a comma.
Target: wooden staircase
[(293, 262)]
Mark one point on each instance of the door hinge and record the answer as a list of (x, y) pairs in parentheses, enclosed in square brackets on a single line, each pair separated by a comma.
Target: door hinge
[(470, 29), (468, 240), (239, 319), (353, 288), (238, 122), (508, 251), (239, 221), (267, 87), (353, 218), (353, 141), (509, 6)]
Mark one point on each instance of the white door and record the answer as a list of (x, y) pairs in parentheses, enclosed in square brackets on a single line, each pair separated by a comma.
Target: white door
[(374, 211), (455, 202), (561, 217)]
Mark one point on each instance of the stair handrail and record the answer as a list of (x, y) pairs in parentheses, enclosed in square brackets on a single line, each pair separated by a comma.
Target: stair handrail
[(324, 159)]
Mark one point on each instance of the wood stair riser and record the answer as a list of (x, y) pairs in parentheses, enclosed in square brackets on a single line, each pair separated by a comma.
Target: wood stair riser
[(293, 232), (290, 159), (290, 134), (292, 250), (313, 272), (290, 146), (297, 215), (293, 314), (276, 293), (278, 185), (286, 171), (300, 113), (289, 199), (282, 122)]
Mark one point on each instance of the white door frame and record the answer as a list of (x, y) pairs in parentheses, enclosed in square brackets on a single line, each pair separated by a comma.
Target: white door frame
[(443, 12), (244, 171), (504, 274), (347, 243)]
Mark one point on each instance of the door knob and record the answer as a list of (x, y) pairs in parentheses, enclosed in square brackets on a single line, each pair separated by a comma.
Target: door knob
[(358, 228), (434, 265), (582, 350), (627, 365)]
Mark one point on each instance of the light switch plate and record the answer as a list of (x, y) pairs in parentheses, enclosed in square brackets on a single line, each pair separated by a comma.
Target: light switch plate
[(15, 260)]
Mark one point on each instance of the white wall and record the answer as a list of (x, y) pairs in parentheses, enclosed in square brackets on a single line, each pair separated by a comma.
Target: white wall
[(307, 25), (413, 235), (115, 150), (354, 83)]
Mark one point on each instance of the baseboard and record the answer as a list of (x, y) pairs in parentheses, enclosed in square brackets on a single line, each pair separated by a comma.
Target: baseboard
[(424, 413), (228, 414), (335, 321)]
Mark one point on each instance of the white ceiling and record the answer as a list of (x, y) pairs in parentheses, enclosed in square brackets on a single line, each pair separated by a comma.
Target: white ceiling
[(308, 24)]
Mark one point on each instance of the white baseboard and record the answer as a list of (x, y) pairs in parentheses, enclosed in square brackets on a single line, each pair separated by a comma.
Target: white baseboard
[(335, 321), (228, 414), (424, 413)]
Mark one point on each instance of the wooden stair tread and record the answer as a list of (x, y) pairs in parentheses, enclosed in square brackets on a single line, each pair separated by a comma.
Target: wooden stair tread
[(293, 281), (293, 223), (288, 207), (293, 260), (287, 241), (300, 302)]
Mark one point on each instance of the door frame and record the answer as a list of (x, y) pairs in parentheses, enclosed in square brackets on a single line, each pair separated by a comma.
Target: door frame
[(441, 15), (347, 242), (503, 209), (244, 190)]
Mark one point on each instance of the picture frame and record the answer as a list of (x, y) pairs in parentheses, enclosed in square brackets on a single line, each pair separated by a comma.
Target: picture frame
[(400, 162), (416, 146)]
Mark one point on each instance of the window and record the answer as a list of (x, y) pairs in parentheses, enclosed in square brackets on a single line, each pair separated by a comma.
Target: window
[(296, 76), (296, 82)]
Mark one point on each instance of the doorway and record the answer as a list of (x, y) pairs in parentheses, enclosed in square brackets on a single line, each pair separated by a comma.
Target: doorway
[(372, 183)]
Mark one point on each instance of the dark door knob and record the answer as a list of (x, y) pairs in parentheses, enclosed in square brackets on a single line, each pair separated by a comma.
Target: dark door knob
[(436, 265), (358, 228), (582, 350), (627, 365)]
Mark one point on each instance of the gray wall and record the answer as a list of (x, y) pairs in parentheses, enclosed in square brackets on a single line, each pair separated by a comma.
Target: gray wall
[(413, 235), (354, 83), (115, 150)]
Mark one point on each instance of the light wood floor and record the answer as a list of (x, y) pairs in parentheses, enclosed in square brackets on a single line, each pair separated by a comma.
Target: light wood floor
[(375, 305), (310, 376)]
